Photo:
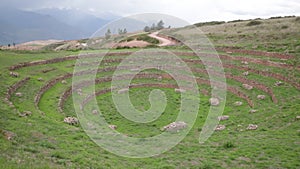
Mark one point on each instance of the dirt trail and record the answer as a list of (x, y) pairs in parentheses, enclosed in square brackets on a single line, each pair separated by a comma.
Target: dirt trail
[(163, 41)]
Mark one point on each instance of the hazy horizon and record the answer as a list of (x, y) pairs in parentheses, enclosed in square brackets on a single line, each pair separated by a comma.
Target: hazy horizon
[(192, 11)]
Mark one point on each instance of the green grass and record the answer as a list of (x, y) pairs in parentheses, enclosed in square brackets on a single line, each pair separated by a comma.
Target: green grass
[(44, 141)]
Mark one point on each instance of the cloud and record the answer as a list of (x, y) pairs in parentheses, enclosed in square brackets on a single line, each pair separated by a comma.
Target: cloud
[(191, 10)]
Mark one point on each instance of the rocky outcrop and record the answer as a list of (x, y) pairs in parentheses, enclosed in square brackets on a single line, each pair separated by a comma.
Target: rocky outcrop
[(175, 126)]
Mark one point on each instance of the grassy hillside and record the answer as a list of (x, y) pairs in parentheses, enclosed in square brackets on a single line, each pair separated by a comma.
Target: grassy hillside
[(43, 140), (274, 35)]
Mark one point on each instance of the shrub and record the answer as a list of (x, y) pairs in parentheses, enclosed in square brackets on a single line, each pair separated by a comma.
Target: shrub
[(228, 144), (148, 39), (209, 23), (254, 22), (284, 27), (297, 19)]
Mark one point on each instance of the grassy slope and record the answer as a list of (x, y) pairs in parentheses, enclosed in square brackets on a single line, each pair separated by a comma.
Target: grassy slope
[(44, 141)]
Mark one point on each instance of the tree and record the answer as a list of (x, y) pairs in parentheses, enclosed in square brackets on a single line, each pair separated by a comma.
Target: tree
[(120, 31), (153, 27), (8, 45), (160, 25), (108, 34), (147, 29)]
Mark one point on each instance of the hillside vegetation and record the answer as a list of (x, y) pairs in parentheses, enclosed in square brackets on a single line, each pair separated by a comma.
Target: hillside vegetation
[(259, 127)]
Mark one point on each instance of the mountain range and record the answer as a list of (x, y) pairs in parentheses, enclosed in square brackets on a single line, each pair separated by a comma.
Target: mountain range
[(18, 26)]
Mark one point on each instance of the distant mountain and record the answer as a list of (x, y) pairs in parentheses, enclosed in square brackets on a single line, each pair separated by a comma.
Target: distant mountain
[(18, 26), (87, 23)]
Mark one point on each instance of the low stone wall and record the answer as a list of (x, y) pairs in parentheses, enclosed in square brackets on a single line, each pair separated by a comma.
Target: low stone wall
[(12, 89), (257, 53), (47, 86)]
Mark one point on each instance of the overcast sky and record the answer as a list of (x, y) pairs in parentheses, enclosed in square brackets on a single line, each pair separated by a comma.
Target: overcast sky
[(189, 10)]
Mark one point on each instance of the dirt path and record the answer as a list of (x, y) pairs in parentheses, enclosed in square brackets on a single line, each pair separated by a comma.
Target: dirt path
[(163, 41)]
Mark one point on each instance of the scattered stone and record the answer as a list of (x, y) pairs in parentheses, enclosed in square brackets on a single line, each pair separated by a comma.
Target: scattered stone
[(214, 101), (71, 120), (238, 103), (79, 91), (229, 52), (298, 118), (64, 82), (246, 73), (245, 62), (8, 134), (278, 83), (252, 127), (95, 112), (123, 91), (248, 87), (159, 78), (19, 94), (180, 90), (221, 118), (175, 126), (25, 114), (252, 111), (14, 74), (261, 97), (113, 127), (40, 79), (220, 127)]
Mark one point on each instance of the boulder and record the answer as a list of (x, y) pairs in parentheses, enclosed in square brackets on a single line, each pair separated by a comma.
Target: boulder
[(79, 91), (64, 82), (214, 101), (252, 127), (40, 79), (252, 111), (25, 114), (71, 120), (245, 62), (298, 118), (113, 127), (248, 87), (8, 134), (14, 74), (19, 94), (238, 103), (261, 97), (175, 126), (180, 90), (95, 112), (278, 83), (221, 118), (220, 127), (246, 73)]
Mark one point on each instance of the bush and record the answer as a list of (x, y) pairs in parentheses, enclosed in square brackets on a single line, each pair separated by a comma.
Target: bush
[(209, 23), (148, 39), (254, 22), (228, 144), (284, 27), (297, 19)]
